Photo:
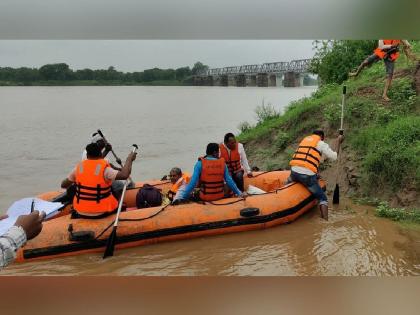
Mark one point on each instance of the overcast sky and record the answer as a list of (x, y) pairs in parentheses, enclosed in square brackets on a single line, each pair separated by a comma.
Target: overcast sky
[(137, 55)]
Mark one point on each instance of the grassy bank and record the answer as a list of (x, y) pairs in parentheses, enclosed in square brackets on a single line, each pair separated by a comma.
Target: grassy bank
[(381, 152), (398, 214)]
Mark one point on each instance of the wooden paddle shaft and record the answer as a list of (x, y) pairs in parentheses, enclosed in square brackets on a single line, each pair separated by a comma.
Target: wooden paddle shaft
[(123, 194)]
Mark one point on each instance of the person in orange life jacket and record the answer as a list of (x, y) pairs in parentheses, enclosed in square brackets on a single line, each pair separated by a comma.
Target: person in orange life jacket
[(305, 163), (103, 146), (106, 147), (179, 182), (388, 51), (234, 154), (210, 172), (93, 178)]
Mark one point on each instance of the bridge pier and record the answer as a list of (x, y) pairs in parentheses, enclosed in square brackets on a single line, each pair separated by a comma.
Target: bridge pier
[(272, 80), (250, 80), (240, 80), (262, 80), (209, 81), (291, 79), (221, 80), (231, 80), (197, 81)]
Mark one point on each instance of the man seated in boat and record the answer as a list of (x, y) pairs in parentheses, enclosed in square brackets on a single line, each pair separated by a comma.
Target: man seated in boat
[(305, 163), (93, 180), (179, 181), (234, 154), (211, 173), (105, 148)]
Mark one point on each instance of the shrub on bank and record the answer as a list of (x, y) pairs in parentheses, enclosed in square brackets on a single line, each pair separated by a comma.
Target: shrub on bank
[(392, 153), (398, 214)]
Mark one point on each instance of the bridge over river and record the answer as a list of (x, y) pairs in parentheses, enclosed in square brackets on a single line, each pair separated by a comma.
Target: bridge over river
[(289, 74)]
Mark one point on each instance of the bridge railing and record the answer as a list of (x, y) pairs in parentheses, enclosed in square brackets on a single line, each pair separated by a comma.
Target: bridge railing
[(301, 65)]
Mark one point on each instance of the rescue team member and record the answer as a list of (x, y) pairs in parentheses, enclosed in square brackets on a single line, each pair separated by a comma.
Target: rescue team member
[(25, 228), (305, 163), (179, 182), (211, 172), (93, 180), (234, 154), (387, 51), (105, 148)]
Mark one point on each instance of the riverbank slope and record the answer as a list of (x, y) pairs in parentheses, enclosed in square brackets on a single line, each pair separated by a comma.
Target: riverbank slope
[(380, 156)]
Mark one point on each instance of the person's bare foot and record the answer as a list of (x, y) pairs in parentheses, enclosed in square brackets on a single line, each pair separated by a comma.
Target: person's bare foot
[(386, 98)]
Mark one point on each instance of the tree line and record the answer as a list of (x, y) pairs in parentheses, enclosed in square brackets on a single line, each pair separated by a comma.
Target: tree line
[(62, 73)]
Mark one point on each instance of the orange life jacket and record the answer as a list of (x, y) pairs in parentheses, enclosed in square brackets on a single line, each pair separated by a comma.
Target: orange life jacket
[(212, 179), (185, 178), (382, 53), (307, 155), (93, 191), (233, 159)]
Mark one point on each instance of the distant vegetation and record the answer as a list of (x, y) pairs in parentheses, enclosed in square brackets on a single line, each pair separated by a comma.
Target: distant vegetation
[(61, 74)]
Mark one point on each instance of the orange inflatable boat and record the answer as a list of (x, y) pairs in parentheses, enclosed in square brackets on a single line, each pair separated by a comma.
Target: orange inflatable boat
[(64, 236)]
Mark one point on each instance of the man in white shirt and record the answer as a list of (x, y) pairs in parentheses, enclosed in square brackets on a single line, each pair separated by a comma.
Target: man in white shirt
[(388, 51), (305, 163), (235, 157)]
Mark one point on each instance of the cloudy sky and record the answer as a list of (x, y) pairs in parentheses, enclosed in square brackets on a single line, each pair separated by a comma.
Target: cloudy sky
[(137, 55)]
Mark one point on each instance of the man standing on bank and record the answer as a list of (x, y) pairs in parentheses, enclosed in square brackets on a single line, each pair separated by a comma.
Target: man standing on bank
[(388, 51), (305, 163), (234, 154)]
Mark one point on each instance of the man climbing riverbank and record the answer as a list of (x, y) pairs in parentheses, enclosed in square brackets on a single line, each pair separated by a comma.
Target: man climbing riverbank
[(388, 51), (305, 164)]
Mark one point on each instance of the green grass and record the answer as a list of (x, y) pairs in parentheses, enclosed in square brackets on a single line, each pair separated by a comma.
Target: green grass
[(398, 214)]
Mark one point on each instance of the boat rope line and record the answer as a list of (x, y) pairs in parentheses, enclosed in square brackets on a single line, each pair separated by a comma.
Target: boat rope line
[(241, 199), (94, 244), (266, 172), (154, 185), (139, 219)]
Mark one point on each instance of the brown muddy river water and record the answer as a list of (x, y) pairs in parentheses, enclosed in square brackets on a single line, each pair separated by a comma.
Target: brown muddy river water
[(43, 131)]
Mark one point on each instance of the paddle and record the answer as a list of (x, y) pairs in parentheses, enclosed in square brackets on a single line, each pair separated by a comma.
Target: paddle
[(112, 150), (336, 195), (110, 244)]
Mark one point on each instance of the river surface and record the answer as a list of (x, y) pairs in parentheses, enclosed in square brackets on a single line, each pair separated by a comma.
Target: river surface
[(44, 130)]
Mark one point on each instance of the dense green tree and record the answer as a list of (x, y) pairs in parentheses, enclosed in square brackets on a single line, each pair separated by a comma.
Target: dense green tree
[(27, 75), (199, 67), (182, 73), (56, 71), (335, 58), (84, 74)]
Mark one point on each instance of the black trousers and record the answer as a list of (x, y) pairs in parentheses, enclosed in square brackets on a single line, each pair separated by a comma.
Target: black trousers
[(238, 178)]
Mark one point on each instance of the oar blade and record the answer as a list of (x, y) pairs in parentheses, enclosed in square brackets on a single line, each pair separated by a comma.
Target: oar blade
[(110, 244), (336, 195)]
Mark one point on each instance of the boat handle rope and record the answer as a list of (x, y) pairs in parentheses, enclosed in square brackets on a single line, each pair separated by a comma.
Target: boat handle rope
[(140, 219), (202, 203), (240, 199)]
